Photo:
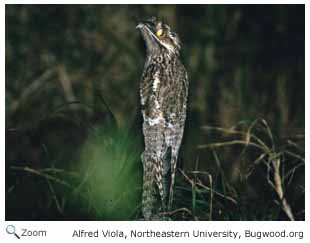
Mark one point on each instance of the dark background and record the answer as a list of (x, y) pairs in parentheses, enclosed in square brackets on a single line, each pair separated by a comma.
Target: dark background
[(73, 125)]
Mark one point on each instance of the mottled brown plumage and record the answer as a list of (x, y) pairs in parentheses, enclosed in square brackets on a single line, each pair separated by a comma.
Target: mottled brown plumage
[(163, 93)]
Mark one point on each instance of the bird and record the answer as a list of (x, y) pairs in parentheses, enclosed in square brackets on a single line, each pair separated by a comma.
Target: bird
[(163, 99)]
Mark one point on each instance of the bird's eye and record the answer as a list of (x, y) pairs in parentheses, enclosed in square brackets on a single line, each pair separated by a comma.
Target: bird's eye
[(159, 32)]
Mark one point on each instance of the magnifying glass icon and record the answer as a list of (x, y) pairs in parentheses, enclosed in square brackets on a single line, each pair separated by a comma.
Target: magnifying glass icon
[(10, 229)]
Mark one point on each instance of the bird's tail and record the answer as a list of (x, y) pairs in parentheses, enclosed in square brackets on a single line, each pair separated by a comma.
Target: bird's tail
[(149, 189)]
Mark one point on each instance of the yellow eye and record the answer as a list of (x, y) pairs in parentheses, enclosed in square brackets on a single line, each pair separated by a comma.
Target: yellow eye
[(159, 32)]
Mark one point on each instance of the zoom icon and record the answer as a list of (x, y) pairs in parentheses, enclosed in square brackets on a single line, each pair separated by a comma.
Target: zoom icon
[(10, 229)]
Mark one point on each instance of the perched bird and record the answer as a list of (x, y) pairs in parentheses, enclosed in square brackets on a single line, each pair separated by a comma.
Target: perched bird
[(163, 93)]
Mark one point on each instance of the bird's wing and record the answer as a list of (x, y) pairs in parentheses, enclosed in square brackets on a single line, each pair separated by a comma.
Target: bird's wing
[(174, 98)]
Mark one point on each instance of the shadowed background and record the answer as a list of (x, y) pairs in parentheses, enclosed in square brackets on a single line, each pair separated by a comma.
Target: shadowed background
[(73, 123)]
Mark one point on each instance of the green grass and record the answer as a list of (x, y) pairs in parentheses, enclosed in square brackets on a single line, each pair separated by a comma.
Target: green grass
[(251, 175), (237, 197)]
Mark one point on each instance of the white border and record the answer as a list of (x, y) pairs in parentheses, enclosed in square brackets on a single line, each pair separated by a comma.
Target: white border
[(63, 230), (58, 230), (155, 2), (2, 120), (307, 103)]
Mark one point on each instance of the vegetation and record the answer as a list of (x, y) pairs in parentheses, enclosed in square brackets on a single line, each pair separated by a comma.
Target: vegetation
[(73, 123)]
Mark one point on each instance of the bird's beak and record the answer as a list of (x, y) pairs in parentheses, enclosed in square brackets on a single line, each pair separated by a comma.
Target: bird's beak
[(151, 40), (139, 26)]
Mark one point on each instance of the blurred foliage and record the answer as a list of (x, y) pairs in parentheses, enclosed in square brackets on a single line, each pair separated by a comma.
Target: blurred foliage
[(73, 124)]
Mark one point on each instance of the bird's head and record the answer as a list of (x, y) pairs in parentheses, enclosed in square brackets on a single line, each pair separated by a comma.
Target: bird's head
[(159, 38)]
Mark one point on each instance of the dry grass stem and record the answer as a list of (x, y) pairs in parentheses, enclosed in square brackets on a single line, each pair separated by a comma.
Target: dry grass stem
[(278, 187)]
